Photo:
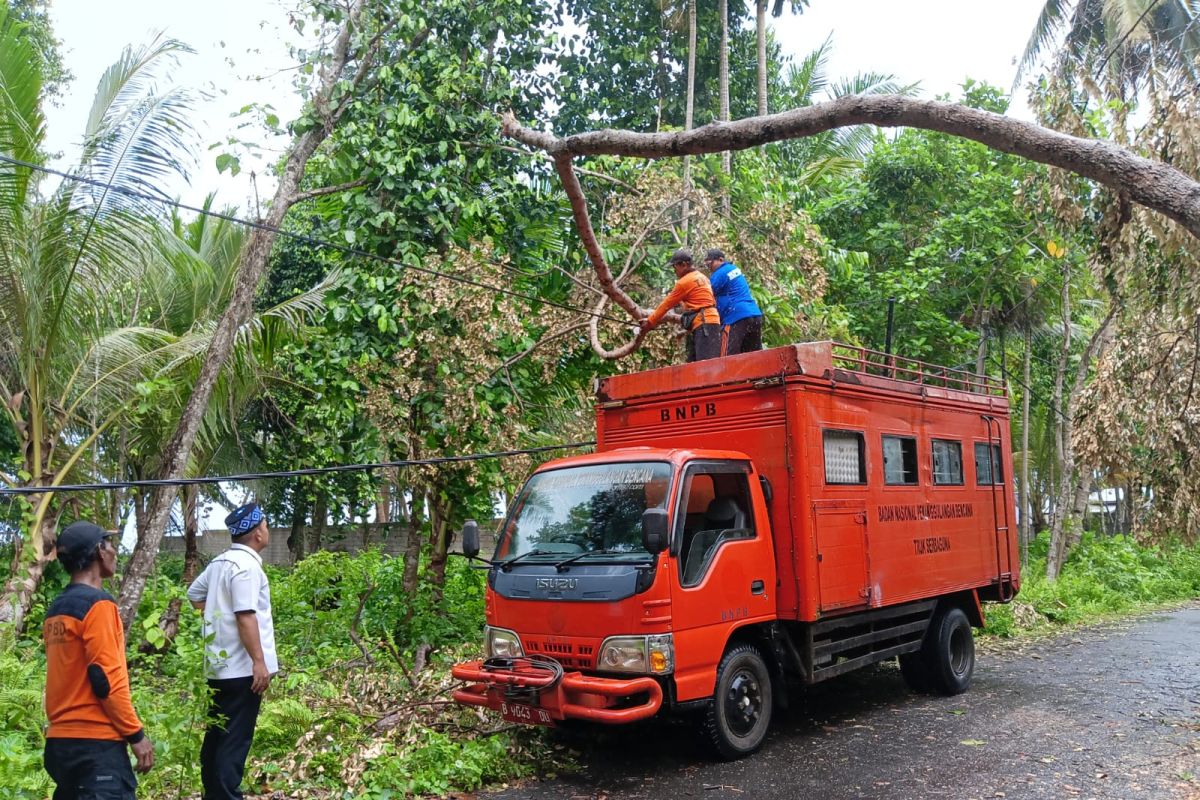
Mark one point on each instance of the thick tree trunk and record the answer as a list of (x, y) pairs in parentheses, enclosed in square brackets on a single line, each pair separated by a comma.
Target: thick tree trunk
[(1026, 489), (383, 507), (981, 353), (760, 27), (319, 521), (252, 267), (296, 537), (1062, 436), (723, 90), (1074, 481), (29, 565), (412, 542), (191, 558), (688, 117), (439, 544)]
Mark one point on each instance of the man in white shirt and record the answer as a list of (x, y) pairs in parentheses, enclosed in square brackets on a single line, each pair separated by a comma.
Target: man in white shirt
[(235, 597)]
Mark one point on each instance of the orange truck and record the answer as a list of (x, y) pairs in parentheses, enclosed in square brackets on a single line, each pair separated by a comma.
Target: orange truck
[(749, 525)]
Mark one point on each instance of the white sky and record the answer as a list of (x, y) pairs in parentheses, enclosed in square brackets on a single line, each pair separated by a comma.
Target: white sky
[(935, 42)]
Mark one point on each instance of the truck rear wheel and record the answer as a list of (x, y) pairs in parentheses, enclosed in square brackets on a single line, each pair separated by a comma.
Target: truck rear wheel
[(949, 652), (736, 721)]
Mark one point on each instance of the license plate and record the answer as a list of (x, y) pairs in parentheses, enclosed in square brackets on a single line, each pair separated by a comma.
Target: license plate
[(528, 715)]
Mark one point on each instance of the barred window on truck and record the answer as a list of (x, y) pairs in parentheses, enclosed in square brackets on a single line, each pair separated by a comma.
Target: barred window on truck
[(845, 458)]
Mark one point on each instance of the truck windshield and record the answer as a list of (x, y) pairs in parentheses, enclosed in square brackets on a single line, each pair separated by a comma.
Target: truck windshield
[(579, 510)]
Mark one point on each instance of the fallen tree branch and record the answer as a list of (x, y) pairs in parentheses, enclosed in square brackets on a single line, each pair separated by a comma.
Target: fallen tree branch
[(1150, 183)]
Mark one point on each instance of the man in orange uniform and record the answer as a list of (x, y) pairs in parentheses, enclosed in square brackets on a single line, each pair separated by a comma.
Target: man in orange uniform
[(700, 316), (87, 680)]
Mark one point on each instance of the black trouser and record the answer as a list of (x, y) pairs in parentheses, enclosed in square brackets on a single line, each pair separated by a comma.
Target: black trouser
[(704, 342), (231, 718), (90, 769), (743, 336)]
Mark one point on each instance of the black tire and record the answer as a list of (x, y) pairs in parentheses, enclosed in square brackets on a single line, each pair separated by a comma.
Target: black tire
[(915, 672), (736, 721), (949, 652)]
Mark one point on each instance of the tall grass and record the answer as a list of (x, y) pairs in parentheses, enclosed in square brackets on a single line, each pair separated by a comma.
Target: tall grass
[(1103, 577)]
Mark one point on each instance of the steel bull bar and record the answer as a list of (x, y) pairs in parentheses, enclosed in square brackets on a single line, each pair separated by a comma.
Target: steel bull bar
[(573, 696)]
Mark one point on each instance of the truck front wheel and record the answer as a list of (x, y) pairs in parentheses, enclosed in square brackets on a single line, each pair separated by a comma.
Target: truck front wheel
[(950, 652), (736, 721)]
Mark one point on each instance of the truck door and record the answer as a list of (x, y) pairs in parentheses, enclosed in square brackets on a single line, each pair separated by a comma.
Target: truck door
[(724, 567), (841, 528)]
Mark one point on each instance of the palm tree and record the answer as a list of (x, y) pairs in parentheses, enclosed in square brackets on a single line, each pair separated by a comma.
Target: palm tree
[(193, 284), (760, 26), (723, 91), (1126, 45), (691, 102), (834, 153), (71, 269)]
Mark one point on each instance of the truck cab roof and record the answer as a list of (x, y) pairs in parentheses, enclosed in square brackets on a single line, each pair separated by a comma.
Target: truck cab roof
[(676, 456)]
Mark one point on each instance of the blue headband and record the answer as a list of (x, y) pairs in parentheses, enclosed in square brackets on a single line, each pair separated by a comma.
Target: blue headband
[(244, 519)]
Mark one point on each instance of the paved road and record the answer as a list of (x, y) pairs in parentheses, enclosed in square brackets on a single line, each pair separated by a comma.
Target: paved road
[(1110, 712)]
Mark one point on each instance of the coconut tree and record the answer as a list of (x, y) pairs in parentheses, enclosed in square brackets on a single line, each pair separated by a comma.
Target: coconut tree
[(836, 153), (71, 270), (1125, 45), (192, 285), (760, 27)]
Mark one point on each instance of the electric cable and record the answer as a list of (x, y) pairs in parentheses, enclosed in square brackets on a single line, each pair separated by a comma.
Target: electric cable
[(306, 239), (250, 476)]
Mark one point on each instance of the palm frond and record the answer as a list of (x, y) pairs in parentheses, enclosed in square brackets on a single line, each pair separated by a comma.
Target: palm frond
[(1050, 22), (22, 124), (807, 79), (137, 136)]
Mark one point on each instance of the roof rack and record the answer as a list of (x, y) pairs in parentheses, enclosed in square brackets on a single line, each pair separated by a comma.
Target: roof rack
[(910, 370)]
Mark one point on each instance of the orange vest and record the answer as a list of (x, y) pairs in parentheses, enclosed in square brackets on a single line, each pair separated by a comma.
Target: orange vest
[(694, 291), (87, 680)]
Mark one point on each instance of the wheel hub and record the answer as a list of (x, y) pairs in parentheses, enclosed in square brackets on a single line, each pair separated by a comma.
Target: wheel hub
[(743, 702), (959, 644)]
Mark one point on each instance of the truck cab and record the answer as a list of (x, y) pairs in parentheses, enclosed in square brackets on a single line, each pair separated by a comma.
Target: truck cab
[(611, 564)]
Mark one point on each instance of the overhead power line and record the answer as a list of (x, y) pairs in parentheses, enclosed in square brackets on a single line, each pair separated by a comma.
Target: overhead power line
[(300, 237), (294, 473)]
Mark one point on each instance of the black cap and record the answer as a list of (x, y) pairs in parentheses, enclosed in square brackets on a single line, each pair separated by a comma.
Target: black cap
[(77, 543), (714, 253), (681, 256)]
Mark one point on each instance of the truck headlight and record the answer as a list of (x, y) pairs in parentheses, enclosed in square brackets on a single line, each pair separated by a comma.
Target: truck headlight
[(641, 654), (500, 642)]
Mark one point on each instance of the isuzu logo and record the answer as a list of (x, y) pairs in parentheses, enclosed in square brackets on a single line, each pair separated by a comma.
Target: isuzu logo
[(556, 584)]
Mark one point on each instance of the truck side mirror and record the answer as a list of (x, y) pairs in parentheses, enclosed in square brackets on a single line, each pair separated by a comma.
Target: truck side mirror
[(470, 538), (654, 530)]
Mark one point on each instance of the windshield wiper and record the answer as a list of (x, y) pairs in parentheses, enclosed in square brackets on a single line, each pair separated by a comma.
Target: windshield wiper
[(507, 565), (559, 567)]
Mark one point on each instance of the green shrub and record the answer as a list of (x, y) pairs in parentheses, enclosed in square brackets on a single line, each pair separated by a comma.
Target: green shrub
[(1103, 576), (22, 680), (437, 764)]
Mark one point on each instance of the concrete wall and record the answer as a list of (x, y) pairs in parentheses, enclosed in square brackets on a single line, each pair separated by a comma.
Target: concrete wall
[(391, 539)]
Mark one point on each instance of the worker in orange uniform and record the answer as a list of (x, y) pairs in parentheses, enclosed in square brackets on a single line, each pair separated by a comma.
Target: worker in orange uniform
[(699, 317), (87, 680)]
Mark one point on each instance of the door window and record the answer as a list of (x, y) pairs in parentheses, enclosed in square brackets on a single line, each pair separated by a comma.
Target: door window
[(716, 509)]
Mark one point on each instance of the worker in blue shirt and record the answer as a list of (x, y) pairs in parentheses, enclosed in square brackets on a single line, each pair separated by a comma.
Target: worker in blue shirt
[(741, 318)]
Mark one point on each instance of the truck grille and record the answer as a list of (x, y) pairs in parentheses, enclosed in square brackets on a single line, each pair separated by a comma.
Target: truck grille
[(576, 655)]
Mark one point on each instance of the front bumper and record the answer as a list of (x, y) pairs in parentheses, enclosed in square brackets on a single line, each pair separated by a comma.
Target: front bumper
[(611, 701)]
